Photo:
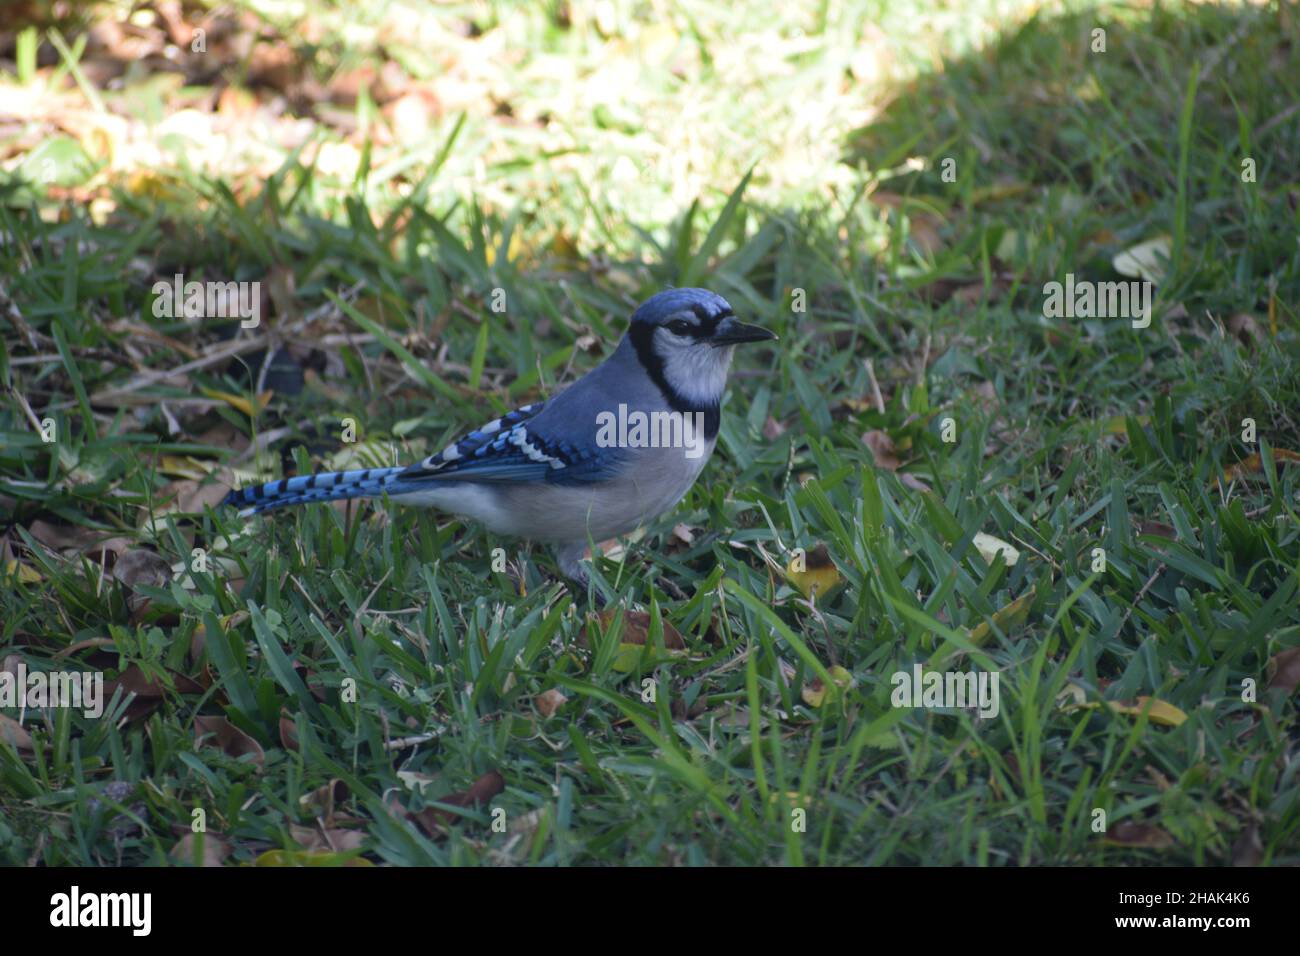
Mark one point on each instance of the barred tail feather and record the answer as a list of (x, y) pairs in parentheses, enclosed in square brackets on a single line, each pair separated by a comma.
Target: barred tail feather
[(322, 486)]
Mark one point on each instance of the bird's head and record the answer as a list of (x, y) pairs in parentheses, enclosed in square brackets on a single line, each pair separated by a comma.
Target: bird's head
[(685, 339)]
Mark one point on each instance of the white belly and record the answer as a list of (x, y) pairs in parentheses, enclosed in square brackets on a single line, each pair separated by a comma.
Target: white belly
[(573, 513)]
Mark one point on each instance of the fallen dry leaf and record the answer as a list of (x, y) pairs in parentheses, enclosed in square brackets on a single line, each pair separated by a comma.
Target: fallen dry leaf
[(636, 632), (1284, 670), (1161, 712), (215, 849), (288, 732), (989, 547), (322, 801), (1147, 260), (433, 820), (280, 858), (138, 568), (548, 702), (142, 567), (232, 741), (1006, 617), (813, 573), (1253, 463), (1129, 833), (133, 681), (24, 573), (239, 401), (1157, 529), (332, 839), (814, 689), (1246, 328), (14, 734), (882, 449)]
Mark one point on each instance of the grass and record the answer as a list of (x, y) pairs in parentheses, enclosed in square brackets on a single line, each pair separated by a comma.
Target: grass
[(372, 663)]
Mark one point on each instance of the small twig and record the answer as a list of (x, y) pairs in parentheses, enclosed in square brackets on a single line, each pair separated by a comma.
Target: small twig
[(1140, 595)]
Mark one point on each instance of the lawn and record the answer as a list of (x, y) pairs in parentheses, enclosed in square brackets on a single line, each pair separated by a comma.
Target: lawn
[(449, 211)]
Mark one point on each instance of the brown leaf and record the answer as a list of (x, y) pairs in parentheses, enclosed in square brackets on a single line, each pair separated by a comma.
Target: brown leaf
[(288, 732), (433, 819), (215, 849), (133, 681), (141, 567), (548, 702), (1157, 529), (191, 497), (1131, 833), (1247, 850), (636, 628), (232, 741), (882, 449), (334, 839), (772, 429), (1284, 670), (65, 536), (923, 228), (323, 800), (14, 734), (986, 395), (1253, 463), (1245, 327), (909, 480)]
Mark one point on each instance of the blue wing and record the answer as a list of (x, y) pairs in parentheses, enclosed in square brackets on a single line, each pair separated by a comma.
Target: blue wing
[(515, 448)]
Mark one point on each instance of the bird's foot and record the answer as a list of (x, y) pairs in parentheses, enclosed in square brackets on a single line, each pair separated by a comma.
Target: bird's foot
[(575, 569)]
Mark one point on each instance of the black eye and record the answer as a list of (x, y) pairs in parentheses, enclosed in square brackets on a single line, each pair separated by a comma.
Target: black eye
[(679, 327)]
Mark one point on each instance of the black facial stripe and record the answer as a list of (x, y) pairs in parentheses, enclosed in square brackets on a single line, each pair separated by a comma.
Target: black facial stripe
[(708, 322), (642, 337)]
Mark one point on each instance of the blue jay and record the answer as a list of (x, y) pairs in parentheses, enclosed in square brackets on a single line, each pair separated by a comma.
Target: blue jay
[(610, 453)]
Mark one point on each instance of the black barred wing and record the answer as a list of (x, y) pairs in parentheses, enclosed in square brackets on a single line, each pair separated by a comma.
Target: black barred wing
[(515, 448)]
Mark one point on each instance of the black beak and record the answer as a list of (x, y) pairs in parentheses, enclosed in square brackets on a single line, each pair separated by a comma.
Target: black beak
[(733, 332)]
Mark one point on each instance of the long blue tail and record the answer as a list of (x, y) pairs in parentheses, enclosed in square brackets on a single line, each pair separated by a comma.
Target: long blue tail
[(322, 486)]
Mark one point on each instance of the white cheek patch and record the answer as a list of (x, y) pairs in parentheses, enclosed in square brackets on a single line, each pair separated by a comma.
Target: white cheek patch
[(696, 371)]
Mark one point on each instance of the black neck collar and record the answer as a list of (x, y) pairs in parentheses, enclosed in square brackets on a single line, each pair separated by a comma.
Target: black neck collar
[(642, 337)]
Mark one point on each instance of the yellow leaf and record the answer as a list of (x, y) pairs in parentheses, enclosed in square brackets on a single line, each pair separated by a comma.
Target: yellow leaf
[(1010, 616), (309, 858), (239, 401), (1118, 424), (989, 547), (813, 572), (814, 689), (1160, 712), (177, 466), (795, 798), (513, 252), (1253, 463), (26, 573)]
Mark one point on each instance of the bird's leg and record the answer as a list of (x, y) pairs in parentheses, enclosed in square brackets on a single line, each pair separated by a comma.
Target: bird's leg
[(575, 569)]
